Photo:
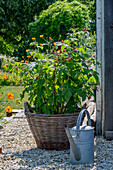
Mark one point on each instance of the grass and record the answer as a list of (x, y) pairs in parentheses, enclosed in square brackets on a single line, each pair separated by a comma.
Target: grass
[(14, 103)]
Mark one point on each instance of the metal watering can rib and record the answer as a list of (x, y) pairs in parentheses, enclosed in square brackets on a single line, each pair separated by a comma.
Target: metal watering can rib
[(81, 140)]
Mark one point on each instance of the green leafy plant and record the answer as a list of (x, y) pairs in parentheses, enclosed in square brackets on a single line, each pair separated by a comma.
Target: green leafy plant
[(63, 75), (59, 18), (12, 72)]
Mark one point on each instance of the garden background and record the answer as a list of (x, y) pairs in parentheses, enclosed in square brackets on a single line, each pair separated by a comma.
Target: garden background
[(21, 21)]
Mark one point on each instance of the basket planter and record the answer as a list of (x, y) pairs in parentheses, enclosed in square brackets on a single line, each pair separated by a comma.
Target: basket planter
[(48, 130)]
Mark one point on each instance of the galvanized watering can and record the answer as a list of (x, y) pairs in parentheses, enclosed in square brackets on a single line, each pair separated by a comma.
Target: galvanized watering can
[(81, 140)]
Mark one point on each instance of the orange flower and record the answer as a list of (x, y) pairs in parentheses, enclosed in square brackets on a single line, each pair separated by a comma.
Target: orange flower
[(10, 95), (33, 38), (17, 100), (22, 61), (62, 41), (28, 56), (4, 76), (26, 61), (40, 44), (50, 38), (27, 51), (9, 109), (41, 36)]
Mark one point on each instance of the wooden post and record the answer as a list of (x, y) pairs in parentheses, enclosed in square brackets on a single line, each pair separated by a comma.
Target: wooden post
[(108, 62), (103, 71), (104, 100), (99, 68)]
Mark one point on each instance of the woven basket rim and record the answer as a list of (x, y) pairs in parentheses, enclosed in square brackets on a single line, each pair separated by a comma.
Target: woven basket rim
[(27, 111)]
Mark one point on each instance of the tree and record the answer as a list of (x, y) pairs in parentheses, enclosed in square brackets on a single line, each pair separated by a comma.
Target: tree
[(59, 18), (15, 15)]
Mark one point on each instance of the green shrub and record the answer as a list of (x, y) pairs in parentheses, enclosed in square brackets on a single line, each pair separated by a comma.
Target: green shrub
[(91, 4), (59, 18)]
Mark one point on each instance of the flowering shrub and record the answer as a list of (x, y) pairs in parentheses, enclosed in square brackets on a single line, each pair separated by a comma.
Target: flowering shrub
[(62, 76)]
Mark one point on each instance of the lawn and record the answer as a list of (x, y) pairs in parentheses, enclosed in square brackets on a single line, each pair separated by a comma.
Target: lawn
[(14, 103)]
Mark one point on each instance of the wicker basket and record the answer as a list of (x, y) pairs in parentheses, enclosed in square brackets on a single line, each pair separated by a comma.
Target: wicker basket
[(48, 130)]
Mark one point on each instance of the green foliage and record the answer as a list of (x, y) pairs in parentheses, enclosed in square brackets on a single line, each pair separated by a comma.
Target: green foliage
[(21, 51), (62, 76), (86, 2), (59, 18), (14, 103), (5, 48), (15, 15), (92, 11), (12, 72), (91, 4)]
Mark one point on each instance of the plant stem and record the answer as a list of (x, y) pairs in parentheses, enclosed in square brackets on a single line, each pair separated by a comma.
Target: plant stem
[(54, 94)]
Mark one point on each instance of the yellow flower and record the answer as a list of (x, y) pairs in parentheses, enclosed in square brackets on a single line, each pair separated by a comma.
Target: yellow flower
[(22, 61), (41, 36), (27, 50), (28, 75), (28, 56), (33, 38), (4, 76), (10, 95), (50, 38), (54, 43)]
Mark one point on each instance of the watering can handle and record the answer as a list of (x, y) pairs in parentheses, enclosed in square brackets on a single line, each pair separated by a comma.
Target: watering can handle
[(79, 120)]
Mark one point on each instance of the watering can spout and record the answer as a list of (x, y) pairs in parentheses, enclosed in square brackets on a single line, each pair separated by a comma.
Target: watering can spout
[(75, 149)]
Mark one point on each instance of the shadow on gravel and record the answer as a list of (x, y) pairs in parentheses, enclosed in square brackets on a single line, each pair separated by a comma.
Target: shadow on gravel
[(39, 157)]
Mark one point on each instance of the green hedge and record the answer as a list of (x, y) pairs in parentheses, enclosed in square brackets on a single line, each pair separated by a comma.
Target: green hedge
[(59, 18)]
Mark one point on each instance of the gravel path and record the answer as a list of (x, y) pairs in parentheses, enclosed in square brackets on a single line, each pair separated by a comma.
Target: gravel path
[(20, 151)]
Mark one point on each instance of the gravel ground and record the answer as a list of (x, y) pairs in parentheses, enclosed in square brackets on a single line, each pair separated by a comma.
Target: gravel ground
[(20, 151)]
